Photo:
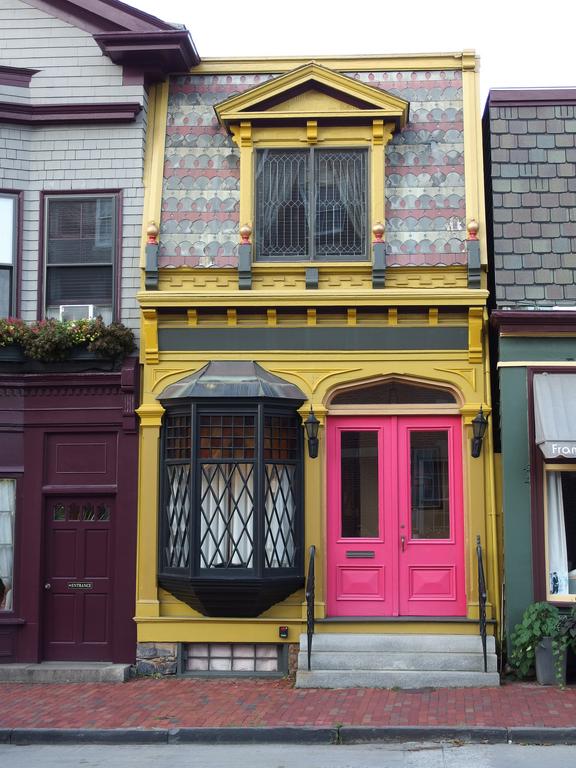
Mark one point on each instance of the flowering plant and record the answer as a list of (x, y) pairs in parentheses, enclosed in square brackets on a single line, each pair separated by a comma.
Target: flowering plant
[(53, 340)]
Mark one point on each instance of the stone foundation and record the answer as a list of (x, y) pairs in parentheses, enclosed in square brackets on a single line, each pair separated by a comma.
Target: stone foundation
[(156, 658), (293, 649)]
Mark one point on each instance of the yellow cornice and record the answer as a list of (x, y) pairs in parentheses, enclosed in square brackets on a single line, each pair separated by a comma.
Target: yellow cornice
[(419, 61), (394, 297)]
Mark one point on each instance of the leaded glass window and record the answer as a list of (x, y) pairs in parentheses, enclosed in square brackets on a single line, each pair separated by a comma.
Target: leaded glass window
[(311, 204), (231, 491)]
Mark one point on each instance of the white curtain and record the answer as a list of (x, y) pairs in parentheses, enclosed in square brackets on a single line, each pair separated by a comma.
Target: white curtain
[(280, 509), (227, 515), (283, 181), (557, 553), (7, 513), (350, 177)]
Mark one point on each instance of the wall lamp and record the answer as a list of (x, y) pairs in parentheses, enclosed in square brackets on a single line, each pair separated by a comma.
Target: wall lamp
[(311, 425), (479, 424)]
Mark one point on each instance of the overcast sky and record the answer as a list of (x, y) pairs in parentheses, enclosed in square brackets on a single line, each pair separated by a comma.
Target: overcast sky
[(521, 43)]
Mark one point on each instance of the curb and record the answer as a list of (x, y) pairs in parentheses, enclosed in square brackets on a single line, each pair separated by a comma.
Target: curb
[(364, 734), (342, 735)]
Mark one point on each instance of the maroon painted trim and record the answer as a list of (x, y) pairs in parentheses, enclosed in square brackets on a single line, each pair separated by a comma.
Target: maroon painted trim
[(16, 76), (537, 321), (19, 195), (132, 77), (44, 114), (117, 193), (119, 258), (157, 54), (531, 97), (128, 36), (101, 15)]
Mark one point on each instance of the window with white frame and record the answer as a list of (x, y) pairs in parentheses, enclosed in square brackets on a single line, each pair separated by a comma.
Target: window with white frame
[(560, 532), (8, 249), (311, 204), (7, 519), (80, 256)]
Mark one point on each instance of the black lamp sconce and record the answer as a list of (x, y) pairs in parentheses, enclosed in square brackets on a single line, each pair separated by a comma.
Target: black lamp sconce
[(311, 425), (479, 424)]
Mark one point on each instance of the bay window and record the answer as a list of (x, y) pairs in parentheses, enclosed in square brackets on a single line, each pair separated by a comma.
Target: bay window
[(231, 521), (80, 256)]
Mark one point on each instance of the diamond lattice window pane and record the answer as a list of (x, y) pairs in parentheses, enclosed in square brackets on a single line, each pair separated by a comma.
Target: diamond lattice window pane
[(227, 516), (280, 515), (177, 550)]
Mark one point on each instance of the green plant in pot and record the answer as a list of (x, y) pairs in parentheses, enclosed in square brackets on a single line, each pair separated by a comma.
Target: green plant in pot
[(540, 641)]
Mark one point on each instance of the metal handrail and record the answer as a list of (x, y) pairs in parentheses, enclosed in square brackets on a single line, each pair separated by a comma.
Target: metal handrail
[(481, 600), (310, 617)]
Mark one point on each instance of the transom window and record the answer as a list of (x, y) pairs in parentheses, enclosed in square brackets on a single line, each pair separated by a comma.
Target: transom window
[(8, 219), (80, 257), (311, 204)]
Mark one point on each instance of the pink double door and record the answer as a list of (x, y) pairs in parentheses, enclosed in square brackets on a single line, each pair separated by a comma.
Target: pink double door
[(395, 516)]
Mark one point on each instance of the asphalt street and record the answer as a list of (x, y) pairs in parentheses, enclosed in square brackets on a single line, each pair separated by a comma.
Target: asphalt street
[(447, 755)]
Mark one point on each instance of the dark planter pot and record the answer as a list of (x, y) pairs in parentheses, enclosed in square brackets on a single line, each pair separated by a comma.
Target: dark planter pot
[(546, 666), (79, 360)]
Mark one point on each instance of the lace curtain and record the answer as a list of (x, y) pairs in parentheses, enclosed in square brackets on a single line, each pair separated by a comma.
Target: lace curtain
[(7, 513)]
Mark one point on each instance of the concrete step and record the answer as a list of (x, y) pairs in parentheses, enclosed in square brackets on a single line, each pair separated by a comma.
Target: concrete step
[(65, 672), (367, 660), (395, 679), (344, 642)]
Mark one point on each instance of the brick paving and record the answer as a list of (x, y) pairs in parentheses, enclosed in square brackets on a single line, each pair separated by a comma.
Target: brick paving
[(151, 703)]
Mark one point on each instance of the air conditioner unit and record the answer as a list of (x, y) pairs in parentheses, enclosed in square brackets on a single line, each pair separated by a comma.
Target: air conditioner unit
[(76, 311)]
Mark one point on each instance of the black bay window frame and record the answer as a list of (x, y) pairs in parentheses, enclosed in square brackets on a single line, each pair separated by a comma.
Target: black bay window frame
[(311, 254), (232, 590)]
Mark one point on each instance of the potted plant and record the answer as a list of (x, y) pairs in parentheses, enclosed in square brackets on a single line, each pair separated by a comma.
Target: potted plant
[(540, 642)]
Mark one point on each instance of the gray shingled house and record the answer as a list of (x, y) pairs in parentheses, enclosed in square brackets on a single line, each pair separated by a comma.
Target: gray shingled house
[(530, 166), (74, 82)]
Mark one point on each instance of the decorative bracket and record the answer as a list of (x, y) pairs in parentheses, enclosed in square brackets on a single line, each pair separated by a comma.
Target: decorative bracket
[(152, 249), (245, 259), (378, 257), (473, 253)]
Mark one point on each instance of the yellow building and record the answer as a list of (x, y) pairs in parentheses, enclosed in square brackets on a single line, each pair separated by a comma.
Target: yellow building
[(315, 262)]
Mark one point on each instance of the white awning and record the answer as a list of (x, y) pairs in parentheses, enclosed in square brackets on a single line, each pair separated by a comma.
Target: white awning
[(555, 414)]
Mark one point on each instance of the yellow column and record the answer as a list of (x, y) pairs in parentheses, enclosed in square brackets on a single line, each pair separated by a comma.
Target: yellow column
[(315, 509), (147, 551)]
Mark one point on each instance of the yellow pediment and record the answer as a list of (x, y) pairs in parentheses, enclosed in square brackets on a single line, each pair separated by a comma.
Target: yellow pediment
[(313, 92)]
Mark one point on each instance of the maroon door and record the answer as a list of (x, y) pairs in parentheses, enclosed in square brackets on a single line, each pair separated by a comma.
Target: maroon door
[(78, 579)]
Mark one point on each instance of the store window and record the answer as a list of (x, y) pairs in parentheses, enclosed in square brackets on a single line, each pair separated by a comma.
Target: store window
[(8, 251), (560, 529), (311, 204), (80, 256), (7, 519)]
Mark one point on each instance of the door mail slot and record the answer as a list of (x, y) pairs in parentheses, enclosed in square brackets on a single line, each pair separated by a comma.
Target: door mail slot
[(80, 585), (360, 554)]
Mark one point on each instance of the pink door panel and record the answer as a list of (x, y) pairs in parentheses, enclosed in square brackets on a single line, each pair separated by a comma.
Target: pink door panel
[(395, 519)]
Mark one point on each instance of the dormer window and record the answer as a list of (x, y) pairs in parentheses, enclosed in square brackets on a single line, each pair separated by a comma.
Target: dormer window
[(312, 156)]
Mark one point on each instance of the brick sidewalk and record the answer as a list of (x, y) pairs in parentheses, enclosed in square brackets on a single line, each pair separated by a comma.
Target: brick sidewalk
[(183, 703)]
